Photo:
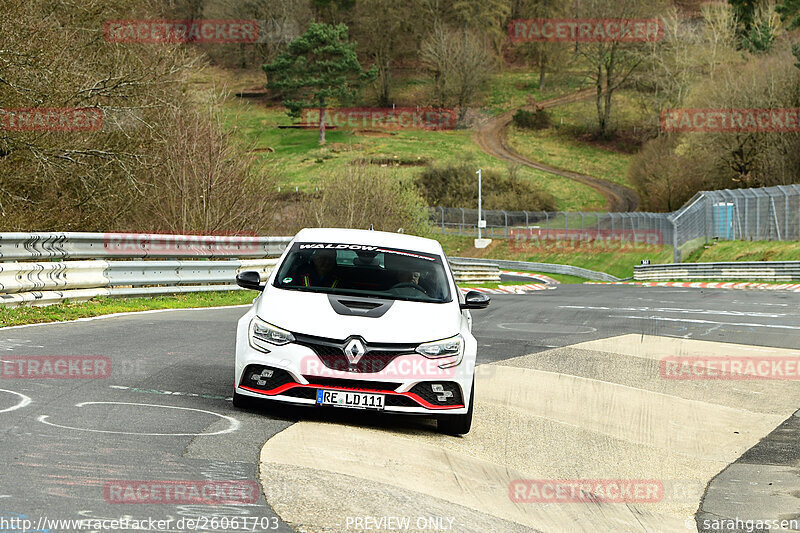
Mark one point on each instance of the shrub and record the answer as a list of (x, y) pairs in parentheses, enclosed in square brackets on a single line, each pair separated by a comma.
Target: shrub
[(662, 177), (362, 195), (532, 120), (457, 186)]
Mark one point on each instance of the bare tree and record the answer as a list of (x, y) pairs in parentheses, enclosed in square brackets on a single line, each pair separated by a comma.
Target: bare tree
[(750, 158), (612, 61), (385, 30), (545, 54), (206, 183), (461, 64)]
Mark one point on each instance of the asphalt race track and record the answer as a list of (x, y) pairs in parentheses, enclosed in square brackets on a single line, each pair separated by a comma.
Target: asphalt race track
[(569, 388)]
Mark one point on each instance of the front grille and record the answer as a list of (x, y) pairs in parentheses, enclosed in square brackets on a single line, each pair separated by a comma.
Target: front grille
[(448, 392), (257, 377), (400, 401), (352, 384), (301, 392), (331, 353)]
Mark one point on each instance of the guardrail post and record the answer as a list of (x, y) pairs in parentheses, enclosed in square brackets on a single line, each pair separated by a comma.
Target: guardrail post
[(442, 208)]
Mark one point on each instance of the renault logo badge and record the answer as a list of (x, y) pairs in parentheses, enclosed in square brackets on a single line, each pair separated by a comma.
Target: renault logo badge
[(354, 350)]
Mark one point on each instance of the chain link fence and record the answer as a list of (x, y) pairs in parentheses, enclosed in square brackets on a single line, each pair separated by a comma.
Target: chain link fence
[(770, 213)]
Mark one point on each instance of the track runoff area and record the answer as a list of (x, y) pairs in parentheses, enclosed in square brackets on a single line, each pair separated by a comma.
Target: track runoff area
[(598, 408)]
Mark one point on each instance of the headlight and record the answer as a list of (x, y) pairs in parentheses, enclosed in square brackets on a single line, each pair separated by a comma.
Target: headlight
[(454, 346), (264, 334)]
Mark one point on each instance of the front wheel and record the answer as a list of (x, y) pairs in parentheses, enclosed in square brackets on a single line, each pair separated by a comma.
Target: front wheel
[(458, 424), (240, 401)]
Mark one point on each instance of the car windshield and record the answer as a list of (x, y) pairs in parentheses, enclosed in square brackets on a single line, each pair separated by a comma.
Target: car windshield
[(360, 270)]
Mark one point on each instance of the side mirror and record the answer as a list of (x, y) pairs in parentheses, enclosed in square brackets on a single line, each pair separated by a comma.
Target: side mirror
[(475, 300), (250, 280)]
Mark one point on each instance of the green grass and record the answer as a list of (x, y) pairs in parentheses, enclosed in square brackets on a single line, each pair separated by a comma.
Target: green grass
[(562, 278), (554, 148), (557, 146), (15, 316), (746, 251), (617, 261), (513, 88), (304, 164)]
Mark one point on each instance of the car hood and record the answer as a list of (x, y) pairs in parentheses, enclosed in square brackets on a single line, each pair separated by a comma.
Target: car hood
[(312, 314)]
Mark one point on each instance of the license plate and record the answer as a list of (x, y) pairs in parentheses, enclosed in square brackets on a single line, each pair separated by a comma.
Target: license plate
[(354, 400)]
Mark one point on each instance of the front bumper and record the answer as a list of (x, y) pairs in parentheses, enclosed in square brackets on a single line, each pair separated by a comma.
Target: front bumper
[(407, 381), (277, 384)]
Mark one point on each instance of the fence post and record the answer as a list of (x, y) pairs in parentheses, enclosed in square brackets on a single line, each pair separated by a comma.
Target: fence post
[(785, 213), (676, 253), (527, 226), (442, 208), (463, 221), (506, 215)]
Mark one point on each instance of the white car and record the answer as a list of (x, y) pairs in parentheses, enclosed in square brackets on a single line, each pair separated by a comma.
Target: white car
[(364, 320)]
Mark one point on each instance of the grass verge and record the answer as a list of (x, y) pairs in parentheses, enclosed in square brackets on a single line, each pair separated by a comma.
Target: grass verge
[(746, 251), (17, 316), (617, 261)]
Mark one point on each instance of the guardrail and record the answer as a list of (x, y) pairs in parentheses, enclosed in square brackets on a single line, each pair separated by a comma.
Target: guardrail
[(45, 268), (474, 272), (754, 270), (45, 283), (548, 268), (72, 245), (145, 264)]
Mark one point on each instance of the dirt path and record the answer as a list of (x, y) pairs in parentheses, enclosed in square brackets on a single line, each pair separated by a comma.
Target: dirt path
[(491, 137)]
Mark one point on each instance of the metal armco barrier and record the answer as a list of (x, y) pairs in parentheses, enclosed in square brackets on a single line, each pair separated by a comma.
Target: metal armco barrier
[(33, 246), (754, 270), (474, 272), (44, 283), (548, 268), (38, 268)]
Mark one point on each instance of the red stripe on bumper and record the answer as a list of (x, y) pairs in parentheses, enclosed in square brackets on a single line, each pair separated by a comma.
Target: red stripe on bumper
[(415, 397)]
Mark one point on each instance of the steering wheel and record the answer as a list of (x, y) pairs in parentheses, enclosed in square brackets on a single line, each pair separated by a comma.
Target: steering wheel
[(408, 285)]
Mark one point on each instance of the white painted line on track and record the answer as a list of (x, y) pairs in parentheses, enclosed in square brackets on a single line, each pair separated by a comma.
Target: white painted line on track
[(127, 313), (25, 400), (675, 310), (697, 321), (233, 423)]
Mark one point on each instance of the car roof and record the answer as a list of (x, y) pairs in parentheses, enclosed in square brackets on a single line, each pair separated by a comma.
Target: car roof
[(370, 238)]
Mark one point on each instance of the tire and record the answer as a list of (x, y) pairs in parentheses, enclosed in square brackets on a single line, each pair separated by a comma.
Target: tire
[(458, 424), (241, 401)]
